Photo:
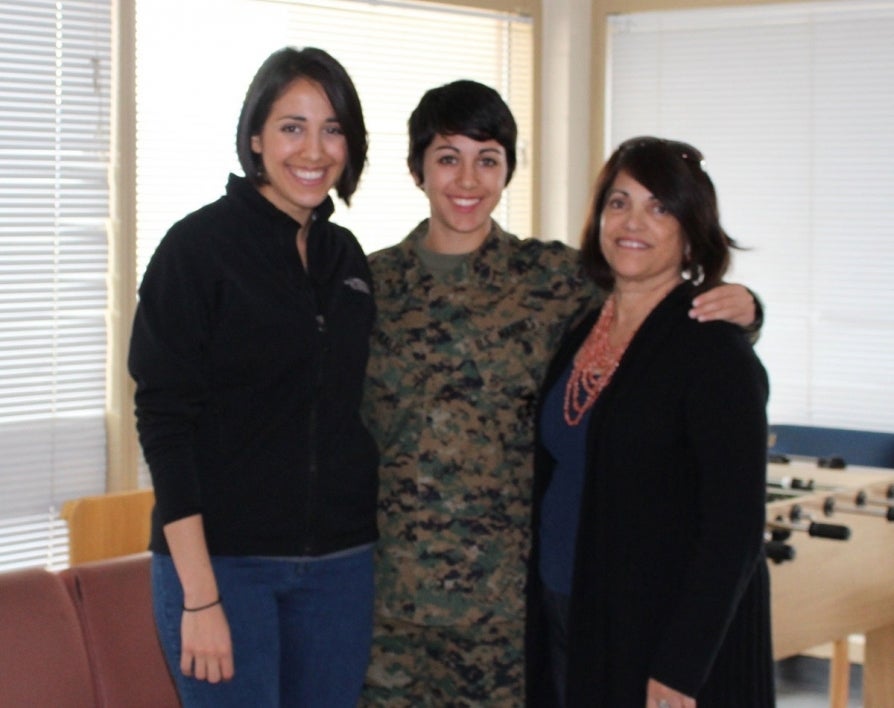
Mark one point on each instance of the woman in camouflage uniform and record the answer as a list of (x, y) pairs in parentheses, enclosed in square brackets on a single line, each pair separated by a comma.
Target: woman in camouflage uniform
[(468, 317)]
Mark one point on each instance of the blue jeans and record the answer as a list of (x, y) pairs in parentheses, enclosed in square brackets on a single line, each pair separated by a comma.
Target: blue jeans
[(301, 630)]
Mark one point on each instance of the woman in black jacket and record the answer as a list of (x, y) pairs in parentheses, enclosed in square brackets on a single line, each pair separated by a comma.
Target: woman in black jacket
[(648, 582), (249, 350)]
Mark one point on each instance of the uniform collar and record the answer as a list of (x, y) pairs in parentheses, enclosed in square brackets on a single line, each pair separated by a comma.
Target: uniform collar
[(487, 266)]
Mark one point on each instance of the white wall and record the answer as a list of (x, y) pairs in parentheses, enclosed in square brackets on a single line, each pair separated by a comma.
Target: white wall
[(565, 126)]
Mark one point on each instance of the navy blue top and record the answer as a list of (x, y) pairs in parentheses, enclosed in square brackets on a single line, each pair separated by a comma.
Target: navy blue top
[(560, 511)]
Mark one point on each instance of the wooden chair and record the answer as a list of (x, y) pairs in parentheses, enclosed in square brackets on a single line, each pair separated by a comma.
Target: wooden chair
[(108, 525)]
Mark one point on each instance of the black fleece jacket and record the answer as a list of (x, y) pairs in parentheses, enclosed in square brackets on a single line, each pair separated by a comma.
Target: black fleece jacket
[(249, 373)]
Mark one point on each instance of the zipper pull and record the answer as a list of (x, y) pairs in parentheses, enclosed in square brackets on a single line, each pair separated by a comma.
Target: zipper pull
[(321, 324)]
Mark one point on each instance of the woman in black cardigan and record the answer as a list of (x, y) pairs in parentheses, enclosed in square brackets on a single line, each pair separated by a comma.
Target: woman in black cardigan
[(649, 586)]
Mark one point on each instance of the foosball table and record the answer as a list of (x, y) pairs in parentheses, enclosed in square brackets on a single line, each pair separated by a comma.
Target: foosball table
[(830, 540)]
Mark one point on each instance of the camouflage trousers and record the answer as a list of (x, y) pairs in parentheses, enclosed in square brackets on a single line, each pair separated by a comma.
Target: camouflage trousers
[(417, 666)]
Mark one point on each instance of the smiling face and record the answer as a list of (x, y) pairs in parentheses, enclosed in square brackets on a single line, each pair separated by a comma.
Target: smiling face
[(463, 180), (302, 148), (641, 241)]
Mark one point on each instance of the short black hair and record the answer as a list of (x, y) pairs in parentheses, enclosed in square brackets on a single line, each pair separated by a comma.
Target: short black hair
[(461, 107), (673, 172), (272, 79)]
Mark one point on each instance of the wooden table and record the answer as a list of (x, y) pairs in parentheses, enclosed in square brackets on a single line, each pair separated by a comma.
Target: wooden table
[(834, 588)]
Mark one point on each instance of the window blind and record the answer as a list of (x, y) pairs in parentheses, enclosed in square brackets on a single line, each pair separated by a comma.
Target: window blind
[(191, 80), (791, 105), (54, 108)]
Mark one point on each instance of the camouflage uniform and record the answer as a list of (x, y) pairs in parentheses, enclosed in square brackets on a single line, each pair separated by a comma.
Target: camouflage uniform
[(456, 363)]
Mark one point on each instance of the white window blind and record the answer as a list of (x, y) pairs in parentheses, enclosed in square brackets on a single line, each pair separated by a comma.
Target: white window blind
[(195, 59), (54, 109), (792, 106)]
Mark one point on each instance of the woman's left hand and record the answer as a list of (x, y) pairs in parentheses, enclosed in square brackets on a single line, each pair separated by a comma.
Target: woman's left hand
[(660, 696), (730, 302)]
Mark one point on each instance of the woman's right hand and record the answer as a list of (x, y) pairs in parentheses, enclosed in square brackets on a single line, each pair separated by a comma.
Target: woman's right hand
[(207, 652), (659, 695), (205, 643)]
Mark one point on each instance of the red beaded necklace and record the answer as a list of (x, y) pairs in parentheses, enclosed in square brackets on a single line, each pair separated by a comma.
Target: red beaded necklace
[(594, 366)]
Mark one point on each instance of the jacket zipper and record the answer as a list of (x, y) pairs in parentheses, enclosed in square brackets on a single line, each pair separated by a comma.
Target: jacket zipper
[(313, 468)]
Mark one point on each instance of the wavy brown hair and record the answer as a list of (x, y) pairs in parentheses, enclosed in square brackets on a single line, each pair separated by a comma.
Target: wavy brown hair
[(674, 173)]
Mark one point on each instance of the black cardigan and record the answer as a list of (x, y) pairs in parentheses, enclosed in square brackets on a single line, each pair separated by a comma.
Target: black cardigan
[(670, 579), (249, 373)]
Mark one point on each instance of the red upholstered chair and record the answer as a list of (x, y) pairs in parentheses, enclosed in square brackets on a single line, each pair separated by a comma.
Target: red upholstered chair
[(114, 602), (43, 661)]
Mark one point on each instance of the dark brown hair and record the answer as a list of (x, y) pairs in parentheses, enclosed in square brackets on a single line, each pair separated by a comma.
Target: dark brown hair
[(274, 76), (465, 108), (674, 173)]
